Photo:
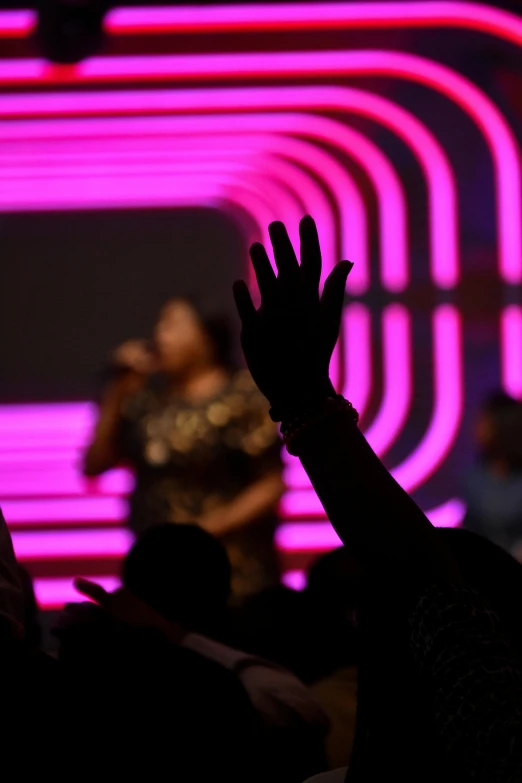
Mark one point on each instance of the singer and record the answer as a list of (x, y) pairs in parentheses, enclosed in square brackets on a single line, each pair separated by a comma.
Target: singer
[(198, 435)]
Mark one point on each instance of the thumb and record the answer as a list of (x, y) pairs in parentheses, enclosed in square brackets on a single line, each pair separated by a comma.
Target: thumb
[(92, 590)]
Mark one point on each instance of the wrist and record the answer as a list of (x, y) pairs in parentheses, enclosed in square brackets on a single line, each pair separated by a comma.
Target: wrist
[(304, 403), (295, 429)]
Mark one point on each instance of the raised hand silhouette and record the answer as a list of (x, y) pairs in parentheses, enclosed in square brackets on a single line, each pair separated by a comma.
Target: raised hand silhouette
[(288, 342)]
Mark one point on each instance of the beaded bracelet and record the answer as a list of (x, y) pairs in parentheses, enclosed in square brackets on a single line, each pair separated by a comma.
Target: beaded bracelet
[(293, 427)]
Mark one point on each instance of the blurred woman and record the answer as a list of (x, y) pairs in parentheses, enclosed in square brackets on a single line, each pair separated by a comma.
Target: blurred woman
[(199, 438)]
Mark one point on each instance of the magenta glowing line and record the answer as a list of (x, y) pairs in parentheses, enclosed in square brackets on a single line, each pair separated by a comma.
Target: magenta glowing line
[(55, 593), (104, 193), (23, 481), (307, 536), (392, 209), (282, 65), (349, 201), (300, 503), (313, 16), (17, 24), (398, 385), (448, 401), (46, 416), (50, 545), (65, 510), (449, 514), (33, 459), (92, 186), (285, 16), (511, 349)]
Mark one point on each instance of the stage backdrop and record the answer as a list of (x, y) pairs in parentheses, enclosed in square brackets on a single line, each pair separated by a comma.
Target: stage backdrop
[(146, 171)]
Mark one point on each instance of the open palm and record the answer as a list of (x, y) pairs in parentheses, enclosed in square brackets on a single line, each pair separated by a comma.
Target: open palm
[(288, 342)]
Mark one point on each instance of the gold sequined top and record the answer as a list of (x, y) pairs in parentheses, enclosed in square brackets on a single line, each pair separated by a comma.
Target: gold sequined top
[(192, 457)]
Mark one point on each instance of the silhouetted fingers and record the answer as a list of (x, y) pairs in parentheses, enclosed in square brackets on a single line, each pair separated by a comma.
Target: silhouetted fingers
[(284, 253), (265, 274), (244, 304), (332, 298), (91, 590), (310, 255)]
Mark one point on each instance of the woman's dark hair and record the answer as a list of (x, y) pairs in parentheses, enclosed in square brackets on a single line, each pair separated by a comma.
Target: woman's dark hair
[(217, 327)]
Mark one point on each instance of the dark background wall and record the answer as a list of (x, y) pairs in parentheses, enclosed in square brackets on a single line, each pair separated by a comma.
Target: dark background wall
[(73, 285)]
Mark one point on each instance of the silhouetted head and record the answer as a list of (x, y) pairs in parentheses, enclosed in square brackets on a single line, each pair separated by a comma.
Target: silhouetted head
[(182, 572), (186, 336)]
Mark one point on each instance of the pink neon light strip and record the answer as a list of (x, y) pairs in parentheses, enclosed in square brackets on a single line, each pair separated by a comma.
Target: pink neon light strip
[(307, 536), (285, 16), (398, 380), (300, 503), (471, 99), (511, 349), (391, 197), (448, 400), (71, 543), (449, 514), (17, 24), (349, 201), (55, 593), (316, 202), (84, 509), (313, 16), (60, 481), (392, 209)]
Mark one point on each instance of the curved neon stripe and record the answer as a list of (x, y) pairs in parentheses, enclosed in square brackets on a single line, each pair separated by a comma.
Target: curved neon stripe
[(17, 24), (449, 514), (71, 543), (350, 203), (511, 349), (285, 16), (448, 399), (84, 509), (392, 212), (314, 16), (63, 481), (398, 385), (482, 110)]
